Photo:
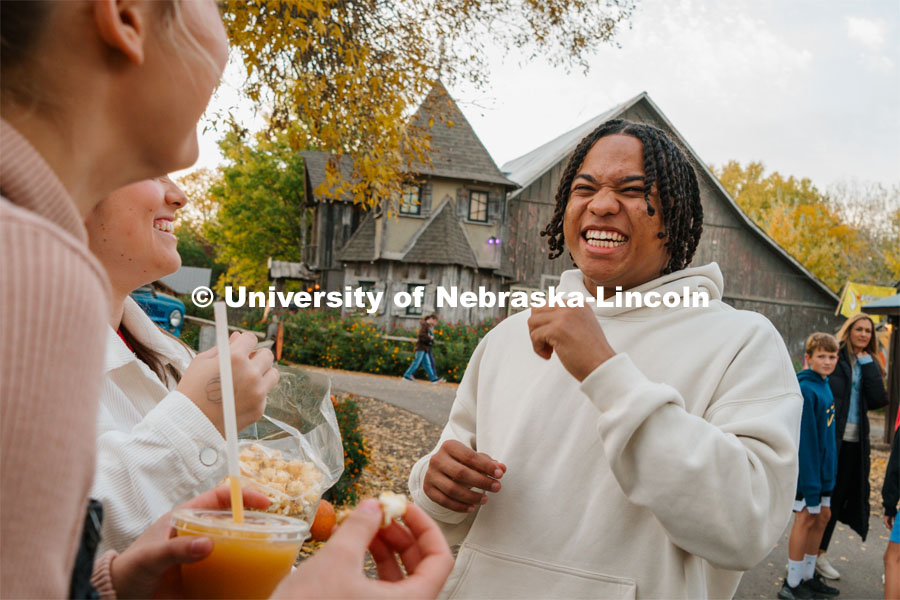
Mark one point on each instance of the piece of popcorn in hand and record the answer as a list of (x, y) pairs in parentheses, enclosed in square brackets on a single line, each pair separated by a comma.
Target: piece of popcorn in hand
[(393, 506)]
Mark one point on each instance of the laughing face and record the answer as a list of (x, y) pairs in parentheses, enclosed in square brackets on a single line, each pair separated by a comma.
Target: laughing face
[(132, 232), (607, 229)]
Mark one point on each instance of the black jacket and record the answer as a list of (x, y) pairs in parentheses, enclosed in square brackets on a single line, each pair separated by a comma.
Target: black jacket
[(854, 509), (890, 491)]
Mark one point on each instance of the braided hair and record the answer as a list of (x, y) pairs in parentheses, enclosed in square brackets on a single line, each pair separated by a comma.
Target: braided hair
[(666, 165)]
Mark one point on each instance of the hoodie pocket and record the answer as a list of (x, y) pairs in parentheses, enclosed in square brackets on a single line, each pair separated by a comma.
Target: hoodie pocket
[(483, 573)]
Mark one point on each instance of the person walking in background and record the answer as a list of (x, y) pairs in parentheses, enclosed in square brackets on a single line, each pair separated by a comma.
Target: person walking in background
[(890, 496), (818, 463), (424, 356), (858, 388)]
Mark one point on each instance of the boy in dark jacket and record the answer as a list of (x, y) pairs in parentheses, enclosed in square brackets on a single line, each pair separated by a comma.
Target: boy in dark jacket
[(818, 464), (890, 496)]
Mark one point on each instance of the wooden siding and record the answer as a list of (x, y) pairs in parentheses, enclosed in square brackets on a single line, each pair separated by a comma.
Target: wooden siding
[(393, 276)]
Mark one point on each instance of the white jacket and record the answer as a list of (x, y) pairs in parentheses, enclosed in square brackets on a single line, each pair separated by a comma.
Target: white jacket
[(666, 473), (155, 448)]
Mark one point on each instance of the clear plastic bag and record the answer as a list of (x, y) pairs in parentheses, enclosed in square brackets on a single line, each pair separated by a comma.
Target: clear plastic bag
[(294, 453)]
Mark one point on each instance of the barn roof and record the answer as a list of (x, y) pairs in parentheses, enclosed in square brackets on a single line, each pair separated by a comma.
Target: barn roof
[(884, 306), (185, 279), (527, 168)]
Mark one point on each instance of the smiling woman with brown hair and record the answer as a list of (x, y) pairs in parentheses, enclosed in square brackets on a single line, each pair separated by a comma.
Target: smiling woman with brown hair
[(665, 438)]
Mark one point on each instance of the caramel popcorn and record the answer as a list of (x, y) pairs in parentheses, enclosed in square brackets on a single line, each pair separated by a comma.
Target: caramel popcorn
[(293, 486)]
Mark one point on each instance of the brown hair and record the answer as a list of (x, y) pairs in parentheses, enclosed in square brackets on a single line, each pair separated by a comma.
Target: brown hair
[(844, 335), (163, 368), (818, 340), (21, 24)]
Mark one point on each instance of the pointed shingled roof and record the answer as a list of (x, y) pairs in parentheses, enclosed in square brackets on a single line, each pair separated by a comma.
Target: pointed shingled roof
[(361, 245), (456, 151), (442, 241), (316, 163)]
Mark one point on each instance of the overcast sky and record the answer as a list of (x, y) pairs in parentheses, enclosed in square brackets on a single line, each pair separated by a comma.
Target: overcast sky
[(811, 88)]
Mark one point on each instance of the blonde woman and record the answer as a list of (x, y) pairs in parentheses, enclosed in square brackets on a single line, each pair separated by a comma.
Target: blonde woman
[(94, 95), (857, 387)]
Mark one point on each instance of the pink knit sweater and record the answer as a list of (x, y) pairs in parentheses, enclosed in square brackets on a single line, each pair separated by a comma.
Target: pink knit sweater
[(53, 319)]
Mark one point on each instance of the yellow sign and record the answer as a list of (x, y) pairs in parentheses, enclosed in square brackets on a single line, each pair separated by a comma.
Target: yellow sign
[(857, 295)]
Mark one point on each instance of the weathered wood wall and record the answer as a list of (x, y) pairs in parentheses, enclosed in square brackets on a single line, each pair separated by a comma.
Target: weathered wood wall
[(394, 276)]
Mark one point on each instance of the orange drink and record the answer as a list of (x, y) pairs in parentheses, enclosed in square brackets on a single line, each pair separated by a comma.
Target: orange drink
[(248, 559)]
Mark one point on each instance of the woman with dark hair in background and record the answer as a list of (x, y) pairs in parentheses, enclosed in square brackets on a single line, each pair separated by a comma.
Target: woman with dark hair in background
[(424, 351), (857, 388)]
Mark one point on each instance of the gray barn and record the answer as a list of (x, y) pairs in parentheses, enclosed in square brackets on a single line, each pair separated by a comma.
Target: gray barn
[(759, 274)]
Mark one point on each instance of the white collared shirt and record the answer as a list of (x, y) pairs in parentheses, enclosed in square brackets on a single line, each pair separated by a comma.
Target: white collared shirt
[(155, 447)]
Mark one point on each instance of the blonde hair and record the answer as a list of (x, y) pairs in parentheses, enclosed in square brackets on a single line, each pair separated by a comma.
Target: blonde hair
[(187, 40), (817, 340), (844, 334)]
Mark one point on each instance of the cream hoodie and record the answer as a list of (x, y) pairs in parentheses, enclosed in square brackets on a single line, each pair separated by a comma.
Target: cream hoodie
[(666, 473)]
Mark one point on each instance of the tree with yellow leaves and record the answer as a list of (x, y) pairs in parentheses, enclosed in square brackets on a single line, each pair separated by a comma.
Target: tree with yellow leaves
[(343, 76), (839, 237)]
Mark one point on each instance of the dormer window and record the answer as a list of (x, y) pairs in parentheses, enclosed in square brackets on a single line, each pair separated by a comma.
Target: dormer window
[(411, 199), (478, 206)]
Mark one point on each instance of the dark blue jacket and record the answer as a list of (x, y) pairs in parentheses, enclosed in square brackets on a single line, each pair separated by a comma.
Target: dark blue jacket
[(818, 447)]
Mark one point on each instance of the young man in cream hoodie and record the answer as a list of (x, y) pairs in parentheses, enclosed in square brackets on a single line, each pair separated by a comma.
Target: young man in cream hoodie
[(629, 452)]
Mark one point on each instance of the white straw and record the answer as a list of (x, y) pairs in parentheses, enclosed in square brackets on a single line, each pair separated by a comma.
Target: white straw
[(231, 433)]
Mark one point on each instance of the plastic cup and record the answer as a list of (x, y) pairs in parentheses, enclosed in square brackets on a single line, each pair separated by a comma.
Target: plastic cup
[(248, 559)]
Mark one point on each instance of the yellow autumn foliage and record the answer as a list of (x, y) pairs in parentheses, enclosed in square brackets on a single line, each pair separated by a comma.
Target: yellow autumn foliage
[(344, 77)]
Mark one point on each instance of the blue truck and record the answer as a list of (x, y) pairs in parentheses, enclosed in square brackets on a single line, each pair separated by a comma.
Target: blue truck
[(164, 310)]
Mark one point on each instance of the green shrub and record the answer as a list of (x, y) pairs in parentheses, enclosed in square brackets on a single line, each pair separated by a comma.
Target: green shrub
[(345, 491), (326, 339), (190, 334)]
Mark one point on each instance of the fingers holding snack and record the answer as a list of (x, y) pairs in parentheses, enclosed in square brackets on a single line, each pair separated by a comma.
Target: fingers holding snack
[(454, 470), (421, 548)]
